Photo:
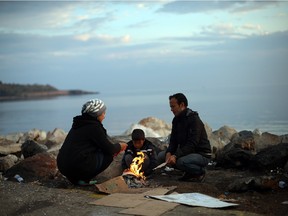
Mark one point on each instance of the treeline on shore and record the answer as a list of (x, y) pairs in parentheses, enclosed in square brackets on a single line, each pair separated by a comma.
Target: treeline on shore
[(11, 91)]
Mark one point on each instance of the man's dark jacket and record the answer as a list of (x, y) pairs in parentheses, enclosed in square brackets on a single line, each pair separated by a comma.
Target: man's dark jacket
[(188, 135), (86, 150)]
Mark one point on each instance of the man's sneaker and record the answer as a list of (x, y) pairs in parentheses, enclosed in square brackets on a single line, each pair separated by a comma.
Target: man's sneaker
[(186, 177), (192, 178), (201, 178)]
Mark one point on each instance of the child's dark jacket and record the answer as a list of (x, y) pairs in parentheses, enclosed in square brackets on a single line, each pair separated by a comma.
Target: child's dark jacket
[(148, 148)]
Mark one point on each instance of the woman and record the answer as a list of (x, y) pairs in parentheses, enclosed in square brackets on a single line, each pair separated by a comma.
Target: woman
[(86, 151)]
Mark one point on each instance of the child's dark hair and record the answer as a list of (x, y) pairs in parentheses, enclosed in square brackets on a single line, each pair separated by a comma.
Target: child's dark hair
[(138, 134)]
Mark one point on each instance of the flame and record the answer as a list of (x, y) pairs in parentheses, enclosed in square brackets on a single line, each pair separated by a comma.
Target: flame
[(136, 165)]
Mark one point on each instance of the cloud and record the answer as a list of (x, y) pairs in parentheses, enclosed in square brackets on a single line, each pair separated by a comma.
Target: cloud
[(31, 15), (53, 18), (181, 7)]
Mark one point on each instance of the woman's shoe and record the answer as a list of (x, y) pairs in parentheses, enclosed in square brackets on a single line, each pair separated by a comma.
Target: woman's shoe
[(84, 183)]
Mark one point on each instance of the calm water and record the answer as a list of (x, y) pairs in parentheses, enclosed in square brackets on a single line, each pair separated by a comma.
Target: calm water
[(125, 110)]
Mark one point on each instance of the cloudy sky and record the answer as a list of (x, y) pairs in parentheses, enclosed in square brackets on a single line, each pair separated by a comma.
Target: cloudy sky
[(106, 46)]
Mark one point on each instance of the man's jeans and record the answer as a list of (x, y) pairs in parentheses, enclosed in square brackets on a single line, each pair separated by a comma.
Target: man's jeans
[(193, 163)]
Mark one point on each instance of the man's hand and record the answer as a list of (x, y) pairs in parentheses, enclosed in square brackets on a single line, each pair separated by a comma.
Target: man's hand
[(170, 159)]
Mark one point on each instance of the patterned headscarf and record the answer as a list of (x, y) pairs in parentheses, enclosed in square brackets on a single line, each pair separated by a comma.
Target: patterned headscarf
[(94, 107)]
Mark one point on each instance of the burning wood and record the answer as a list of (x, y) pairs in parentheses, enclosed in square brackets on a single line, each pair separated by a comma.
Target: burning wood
[(133, 176), (136, 166)]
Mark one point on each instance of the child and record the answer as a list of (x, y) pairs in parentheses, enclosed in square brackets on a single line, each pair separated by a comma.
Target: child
[(137, 144)]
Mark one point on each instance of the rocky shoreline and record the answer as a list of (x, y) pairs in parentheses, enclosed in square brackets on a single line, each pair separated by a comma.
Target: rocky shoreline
[(242, 162), (230, 149), (12, 92)]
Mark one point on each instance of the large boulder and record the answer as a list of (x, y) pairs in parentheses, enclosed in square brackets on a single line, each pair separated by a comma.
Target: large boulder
[(34, 134), (9, 147), (260, 183), (157, 125), (272, 157), (38, 167), (219, 138), (7, 162), (245, 139), (233, 156), (225, 133), (31, 147), (238, 153), (55, 138), (265, 140), (152, 127), (114, 170)]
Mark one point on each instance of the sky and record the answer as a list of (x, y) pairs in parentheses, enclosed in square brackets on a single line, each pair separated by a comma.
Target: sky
[(217, 48)]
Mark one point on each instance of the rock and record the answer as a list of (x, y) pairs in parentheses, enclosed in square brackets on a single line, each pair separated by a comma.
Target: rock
[(284, 138), (115, 168), (40, 166), (15, 137), (265, 140), (225, 133), (245, 139), (148, 131), (7, 162), (260, 183), (55, 138), (239, 152), (152, 127), (34, 134), (31, 147), (233, 156), (272, 157), (208, 129), (9, 147), (157, 125), (219, 138)]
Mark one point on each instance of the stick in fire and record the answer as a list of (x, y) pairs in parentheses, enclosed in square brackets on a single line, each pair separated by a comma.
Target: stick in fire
[(136, 166)]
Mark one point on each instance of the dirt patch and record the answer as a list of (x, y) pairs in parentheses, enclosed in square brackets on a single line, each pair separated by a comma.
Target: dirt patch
[(59, 197)]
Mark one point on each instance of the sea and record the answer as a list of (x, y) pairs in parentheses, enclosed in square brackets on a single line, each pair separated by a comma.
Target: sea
[(126, 109)]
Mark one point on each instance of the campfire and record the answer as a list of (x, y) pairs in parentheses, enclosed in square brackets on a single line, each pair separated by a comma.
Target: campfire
[(133, 176)]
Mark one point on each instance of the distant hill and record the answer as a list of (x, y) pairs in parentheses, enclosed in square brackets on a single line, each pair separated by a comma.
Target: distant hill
[(13, 91)]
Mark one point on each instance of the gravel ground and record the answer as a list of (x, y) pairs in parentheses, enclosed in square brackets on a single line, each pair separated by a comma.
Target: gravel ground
[(59, 197)]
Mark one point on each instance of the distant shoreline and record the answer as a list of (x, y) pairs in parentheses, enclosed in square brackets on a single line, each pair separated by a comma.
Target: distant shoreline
[(42, 95), (14, 92)]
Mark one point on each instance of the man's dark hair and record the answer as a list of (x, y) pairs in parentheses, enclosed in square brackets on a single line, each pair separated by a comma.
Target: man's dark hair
[(180, 97), (138, 134)]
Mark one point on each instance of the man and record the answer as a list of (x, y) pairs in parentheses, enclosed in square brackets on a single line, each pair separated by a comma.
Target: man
[(189, 149)]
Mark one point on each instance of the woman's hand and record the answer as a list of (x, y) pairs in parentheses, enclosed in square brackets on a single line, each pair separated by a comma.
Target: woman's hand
[(123, 146)]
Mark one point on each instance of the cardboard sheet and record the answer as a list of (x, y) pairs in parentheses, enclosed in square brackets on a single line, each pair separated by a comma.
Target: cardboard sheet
[(194, 199), (114, 185), (137, 203), (122, 200), (150, 208), (125, 200)]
